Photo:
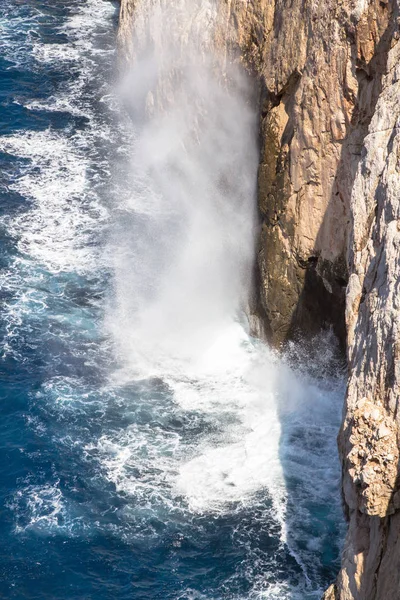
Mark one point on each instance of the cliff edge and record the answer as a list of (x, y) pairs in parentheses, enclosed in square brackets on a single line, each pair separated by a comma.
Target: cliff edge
[(328, 79)]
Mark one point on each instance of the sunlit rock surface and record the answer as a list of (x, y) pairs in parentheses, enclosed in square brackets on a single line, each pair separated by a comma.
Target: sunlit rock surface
[(369, 437)]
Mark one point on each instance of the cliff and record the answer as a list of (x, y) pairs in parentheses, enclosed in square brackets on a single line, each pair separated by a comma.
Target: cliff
[(368, 440), (328, 76), (301, 59)]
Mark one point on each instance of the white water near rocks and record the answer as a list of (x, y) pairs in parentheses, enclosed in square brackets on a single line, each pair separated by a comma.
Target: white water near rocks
[(216, 424), (183, 253)]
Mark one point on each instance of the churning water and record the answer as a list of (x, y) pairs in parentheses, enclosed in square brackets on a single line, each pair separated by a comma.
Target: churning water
[(151, 448)]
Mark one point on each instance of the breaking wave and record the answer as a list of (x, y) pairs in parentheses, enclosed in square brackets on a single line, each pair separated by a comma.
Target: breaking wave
[(155, 449)]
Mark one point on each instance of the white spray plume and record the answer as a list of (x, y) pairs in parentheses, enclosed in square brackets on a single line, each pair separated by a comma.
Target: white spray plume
[(185, 243)]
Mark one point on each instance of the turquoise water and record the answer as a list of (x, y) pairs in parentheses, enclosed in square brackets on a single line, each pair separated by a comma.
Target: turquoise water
[(152, 479)]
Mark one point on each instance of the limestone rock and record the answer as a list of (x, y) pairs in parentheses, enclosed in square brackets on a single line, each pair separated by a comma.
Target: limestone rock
[(368, 440), (371, 464), (331, 593)]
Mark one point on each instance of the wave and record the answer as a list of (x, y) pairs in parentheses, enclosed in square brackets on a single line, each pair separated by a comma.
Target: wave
[(162, 429)]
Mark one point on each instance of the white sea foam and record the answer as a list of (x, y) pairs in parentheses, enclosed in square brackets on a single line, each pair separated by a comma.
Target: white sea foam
[(91, 15), (38, 507), (236, 378), (58, 230), (269, 421), (51, 53), (66, 213)]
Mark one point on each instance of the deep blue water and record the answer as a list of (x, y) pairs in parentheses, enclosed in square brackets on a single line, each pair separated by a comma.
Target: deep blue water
[(118, 486)]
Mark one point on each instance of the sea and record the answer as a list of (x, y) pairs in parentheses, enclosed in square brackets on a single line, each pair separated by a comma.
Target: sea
[(152, 448)]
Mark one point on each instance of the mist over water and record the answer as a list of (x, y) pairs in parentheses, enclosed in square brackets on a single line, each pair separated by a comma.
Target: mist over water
[(185, 242), (154, 449), (183, 253)]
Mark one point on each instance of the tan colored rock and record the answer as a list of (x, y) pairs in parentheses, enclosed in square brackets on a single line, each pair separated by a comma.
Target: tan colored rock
[(330, 593), (371, 559), (372, 436)]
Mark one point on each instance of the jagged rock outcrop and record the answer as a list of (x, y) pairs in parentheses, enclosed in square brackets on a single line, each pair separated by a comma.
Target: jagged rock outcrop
[(301, 53), (320, 66), (328, 74), (369, 439)]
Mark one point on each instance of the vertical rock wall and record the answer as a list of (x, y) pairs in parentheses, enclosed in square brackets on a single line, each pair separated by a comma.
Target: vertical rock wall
[(369, 438), (316, 63), (302, 56)]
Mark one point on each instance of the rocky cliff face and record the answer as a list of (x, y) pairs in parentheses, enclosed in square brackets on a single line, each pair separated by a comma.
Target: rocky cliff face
[(328, 75), (312, 63), (302, 57), (369, 439), (320, 66)]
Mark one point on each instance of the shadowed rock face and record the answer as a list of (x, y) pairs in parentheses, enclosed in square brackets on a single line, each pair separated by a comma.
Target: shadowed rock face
[(328, 75)]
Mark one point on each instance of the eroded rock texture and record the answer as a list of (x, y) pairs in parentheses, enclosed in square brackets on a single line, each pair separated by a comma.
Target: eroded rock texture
[(328, 74), (320, 65), (302, 54), (369, 439)]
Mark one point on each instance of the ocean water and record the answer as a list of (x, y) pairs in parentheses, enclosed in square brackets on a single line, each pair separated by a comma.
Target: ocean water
[(166, 476)]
